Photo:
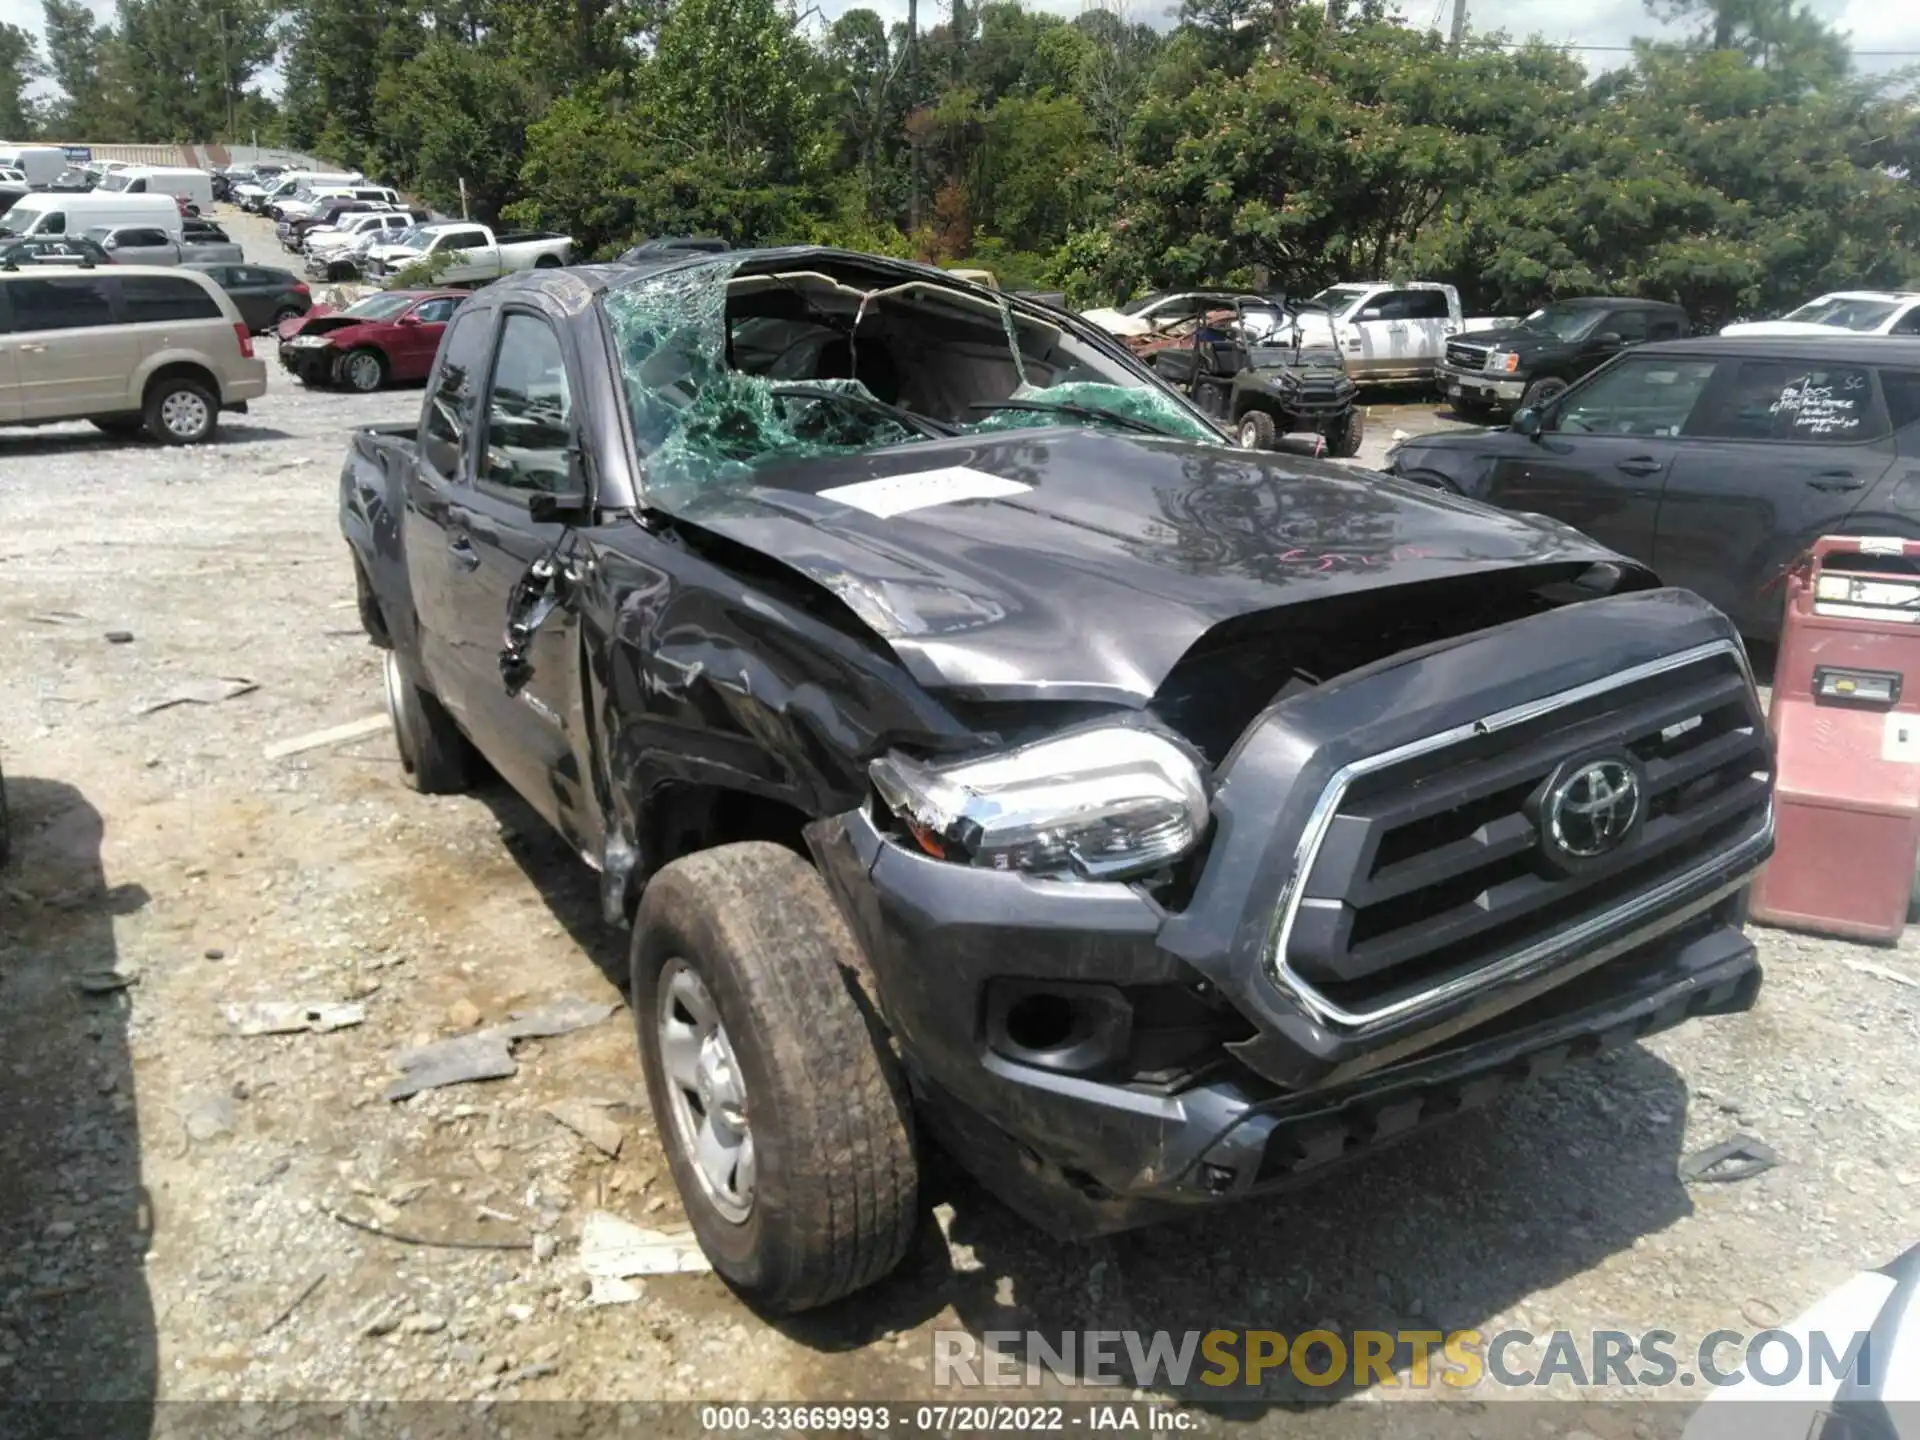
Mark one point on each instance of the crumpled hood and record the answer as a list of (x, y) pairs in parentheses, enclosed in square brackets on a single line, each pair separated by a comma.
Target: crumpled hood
[(1080, 564)]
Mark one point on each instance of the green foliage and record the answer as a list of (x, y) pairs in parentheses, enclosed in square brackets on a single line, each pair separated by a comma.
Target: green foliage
[(425, 272), (19, 67), (1279, 143)]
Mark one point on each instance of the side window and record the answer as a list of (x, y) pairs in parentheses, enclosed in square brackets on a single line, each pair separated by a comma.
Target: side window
[(1662, 325), (436, 312), (1902, 389), (138, 187), (456, 381), (1629, 325), (149, 299), (143, 237), (1641, 396), (1426, 305), (54, 224), (528, 409), (1786, 400), (1907, 324), (461, 240), (65, 303), (1390, 305)]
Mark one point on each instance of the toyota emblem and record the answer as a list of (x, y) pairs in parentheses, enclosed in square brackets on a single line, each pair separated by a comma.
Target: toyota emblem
[(1591, 808)]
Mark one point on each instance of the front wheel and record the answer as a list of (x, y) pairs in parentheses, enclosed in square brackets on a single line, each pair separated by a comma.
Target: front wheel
[(281, 317), (1345, 438), (181, 412), (364, 370), (783, 1114), (1257, 431)]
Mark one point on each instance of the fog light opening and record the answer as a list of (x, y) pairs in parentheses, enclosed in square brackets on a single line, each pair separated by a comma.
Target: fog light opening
[(1040, 1022)]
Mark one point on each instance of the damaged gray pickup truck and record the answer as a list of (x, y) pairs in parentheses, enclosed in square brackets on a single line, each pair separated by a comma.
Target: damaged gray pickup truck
[(979, 745)]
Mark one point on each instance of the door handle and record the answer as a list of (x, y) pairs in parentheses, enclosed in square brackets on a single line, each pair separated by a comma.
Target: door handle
[(464, 555), (1836, 481), (1643, 465)]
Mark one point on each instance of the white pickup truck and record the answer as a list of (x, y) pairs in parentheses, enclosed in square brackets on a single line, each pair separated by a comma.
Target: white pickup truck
[(482, 256), (1391, 334)]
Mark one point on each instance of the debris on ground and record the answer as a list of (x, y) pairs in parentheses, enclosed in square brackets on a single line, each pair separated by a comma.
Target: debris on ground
[(104, 982), (200, 692), (562, 1017), (289, 1017), (1885, 972), (333, 735), (488, 1054), (208, 1117), (1740, 1158), (484, 1055), (430, 1241), (119, 637), (590, 1122), (613, 1249)]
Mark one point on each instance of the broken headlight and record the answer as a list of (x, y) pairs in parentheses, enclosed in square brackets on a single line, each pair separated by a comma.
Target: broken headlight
[(1102, 804)]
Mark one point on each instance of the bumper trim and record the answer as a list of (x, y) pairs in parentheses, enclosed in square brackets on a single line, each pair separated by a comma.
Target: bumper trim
[(1754, 846)]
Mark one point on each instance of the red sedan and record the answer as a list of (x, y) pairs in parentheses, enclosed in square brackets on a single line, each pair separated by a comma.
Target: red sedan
[(386, 337)]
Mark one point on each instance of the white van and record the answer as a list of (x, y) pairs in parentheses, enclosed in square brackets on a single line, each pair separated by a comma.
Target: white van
[(39, 163), (295, 181), (41, 214), (196, 185)]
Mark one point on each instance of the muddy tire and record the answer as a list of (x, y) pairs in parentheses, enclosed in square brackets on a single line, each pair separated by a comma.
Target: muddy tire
[(1346, 439), (180, 411), (782, 1112), (435, 757), (1257, 431), (1542, 393)]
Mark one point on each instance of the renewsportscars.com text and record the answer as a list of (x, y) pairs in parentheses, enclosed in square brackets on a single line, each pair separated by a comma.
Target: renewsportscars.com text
[(1454, 1360)]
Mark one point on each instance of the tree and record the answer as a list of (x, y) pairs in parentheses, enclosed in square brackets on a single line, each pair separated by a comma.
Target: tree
[(456, 111), (19, 67), (187, 63), (77, 63)]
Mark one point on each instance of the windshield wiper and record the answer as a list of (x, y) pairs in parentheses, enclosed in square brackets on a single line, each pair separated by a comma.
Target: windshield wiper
[(1084, 412), (921, 424)]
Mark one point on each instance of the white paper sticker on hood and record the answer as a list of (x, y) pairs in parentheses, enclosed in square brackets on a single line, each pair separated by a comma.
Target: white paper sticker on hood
[(898, 494)]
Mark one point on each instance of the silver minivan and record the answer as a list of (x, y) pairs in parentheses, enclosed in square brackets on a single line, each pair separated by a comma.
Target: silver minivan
[(129, 348)]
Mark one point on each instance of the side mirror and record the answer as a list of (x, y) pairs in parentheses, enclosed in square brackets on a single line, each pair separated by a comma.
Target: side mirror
[(1527, 423), (408, 319), (1372, 312), (1609, 341)]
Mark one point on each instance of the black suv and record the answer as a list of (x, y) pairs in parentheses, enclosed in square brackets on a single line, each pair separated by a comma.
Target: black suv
[(1500, 371), (1716, 461)]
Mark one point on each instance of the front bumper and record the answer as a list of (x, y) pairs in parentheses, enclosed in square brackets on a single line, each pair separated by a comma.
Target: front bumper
[(1088, 1146), (311, 363), (1479, 387)]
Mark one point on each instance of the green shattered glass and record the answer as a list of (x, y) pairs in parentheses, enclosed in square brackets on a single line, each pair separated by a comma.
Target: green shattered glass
[(700, 423)]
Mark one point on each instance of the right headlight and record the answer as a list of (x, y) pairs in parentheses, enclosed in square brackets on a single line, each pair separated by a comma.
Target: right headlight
[(1100, 804)]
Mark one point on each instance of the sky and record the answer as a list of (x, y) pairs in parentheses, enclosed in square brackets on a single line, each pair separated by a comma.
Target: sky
[(1873, 24)]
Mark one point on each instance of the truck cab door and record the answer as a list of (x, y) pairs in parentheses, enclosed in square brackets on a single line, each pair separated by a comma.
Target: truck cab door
[(533, 729), (439, 550)]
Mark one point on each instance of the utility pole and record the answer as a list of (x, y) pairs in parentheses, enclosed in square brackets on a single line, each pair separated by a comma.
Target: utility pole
[(226, 72), (1459, 22)]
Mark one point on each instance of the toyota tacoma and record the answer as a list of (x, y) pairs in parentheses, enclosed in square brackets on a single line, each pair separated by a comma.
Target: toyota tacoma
[(984, 751)]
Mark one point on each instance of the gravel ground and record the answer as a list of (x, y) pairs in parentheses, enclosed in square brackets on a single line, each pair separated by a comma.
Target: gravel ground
[(169, 1190)]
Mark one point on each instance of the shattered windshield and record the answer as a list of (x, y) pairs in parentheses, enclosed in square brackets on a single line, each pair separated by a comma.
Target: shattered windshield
[(726, 372)]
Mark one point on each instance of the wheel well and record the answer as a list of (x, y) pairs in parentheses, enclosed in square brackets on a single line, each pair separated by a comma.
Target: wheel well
[(1433, 480), (682, 819), (372, 618), (547, 262), (182, 370)]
